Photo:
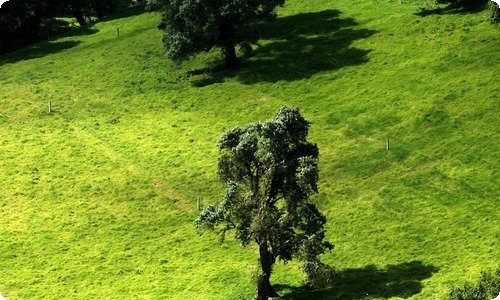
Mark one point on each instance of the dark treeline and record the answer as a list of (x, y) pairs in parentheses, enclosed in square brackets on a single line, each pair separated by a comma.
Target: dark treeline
[(21, 20)]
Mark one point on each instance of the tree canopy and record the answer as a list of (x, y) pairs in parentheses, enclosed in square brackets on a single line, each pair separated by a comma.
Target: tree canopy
[(269, 171), (194, 26), (20, 20)]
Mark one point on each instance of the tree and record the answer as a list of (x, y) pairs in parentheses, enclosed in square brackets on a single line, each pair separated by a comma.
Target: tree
[(486, 288), (269, 171), (81, 10), (194, 26), (495, 11), (21, 20), (77, 10)]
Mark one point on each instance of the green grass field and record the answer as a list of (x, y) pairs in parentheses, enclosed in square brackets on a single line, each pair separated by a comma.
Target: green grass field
[(98, 198)]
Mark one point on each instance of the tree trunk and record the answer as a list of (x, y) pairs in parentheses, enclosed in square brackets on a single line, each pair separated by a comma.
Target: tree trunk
[(99, 9), (78, 14), (264, 287), (110, 7), (230, 56), (226, 35)]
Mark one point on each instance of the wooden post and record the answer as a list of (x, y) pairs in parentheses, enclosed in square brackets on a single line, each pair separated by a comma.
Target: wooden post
[(50, 106), (387, 144)]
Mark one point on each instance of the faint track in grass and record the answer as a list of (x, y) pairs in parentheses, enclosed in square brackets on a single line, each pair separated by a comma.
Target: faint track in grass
[(131, 167)]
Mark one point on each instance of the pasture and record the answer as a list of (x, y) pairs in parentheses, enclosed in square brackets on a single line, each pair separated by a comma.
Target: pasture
[(98, 197)]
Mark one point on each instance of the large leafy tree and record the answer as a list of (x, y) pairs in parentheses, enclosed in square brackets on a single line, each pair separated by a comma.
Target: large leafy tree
[(193, 26), (269, 171)]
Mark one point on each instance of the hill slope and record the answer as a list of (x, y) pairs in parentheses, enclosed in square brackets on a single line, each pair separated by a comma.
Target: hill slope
[(98, 198)]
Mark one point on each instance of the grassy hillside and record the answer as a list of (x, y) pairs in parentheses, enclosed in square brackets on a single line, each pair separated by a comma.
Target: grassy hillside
[(98, 198)]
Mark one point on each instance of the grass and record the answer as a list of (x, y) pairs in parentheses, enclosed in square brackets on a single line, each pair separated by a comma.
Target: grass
[(98, 198)]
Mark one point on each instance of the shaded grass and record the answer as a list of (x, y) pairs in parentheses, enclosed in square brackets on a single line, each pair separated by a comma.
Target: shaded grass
[(402, 281), (298, 47), (40, 50), (98, 198), (454, 7)]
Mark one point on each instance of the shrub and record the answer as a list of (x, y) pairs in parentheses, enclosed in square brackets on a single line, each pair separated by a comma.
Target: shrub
[(486, 288), (494, 12)]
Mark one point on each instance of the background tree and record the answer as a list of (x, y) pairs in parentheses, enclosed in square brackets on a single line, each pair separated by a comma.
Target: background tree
[(193, 26), (82, 10), (486, 288), (269, 170), (21, 20), (495, 11)]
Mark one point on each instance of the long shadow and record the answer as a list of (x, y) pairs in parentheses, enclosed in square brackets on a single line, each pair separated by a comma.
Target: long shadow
[(299, 46), (48, 43), (54, 29), (38, 50), (454, 7), (401, 280), (125, 12), (75, 32)]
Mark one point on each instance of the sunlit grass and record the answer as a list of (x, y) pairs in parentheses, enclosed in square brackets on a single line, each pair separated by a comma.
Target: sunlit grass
[(98, 198)]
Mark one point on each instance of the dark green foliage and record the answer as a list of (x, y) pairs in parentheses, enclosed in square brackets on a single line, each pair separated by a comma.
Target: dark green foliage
[(193, 26), (494, 12), (487, 288), (270, 170), (20, 20), (19, 23)]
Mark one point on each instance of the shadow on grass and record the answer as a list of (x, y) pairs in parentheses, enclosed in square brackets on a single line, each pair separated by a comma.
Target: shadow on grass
[(36, 51), (58, 29), (76, 31), (126, 12), (455, 7), (402, 280), (54, 29), (297, 47)]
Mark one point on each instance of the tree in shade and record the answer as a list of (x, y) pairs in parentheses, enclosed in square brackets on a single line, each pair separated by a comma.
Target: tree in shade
[(21, 20)]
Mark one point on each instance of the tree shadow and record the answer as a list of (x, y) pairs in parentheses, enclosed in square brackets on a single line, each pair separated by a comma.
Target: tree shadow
[(454, 7), (401, 280), (126, 12), (52, 30), (36, 51), (75, 32), (297, 47)]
